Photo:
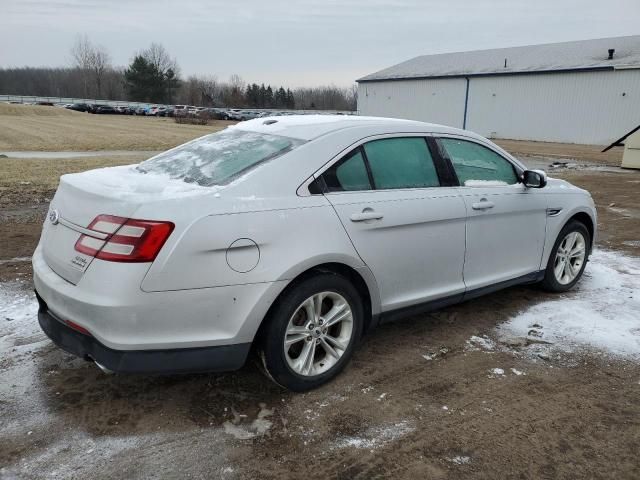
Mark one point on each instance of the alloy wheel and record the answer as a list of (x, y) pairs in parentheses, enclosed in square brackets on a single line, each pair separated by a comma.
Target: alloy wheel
[(569, 258), (318, 333)]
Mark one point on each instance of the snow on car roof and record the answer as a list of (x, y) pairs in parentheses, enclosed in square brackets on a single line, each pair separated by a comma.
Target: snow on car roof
[(308, 127)]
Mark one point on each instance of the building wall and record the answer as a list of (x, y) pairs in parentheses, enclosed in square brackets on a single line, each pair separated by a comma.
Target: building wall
[(584, 107), (436, 101)]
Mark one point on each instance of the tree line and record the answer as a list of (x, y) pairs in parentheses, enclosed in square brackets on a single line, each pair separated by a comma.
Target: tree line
[(154, 76)]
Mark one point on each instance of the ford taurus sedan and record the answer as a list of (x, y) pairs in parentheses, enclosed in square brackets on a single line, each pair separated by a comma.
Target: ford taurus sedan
[(293, 237)]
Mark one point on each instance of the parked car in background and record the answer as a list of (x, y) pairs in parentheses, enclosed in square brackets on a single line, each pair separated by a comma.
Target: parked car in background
[(104, 109), (180, 110), (216, 113), (78, 107), (93, 107), (248, 115), (233, 114), (141, 111), (295, 237)]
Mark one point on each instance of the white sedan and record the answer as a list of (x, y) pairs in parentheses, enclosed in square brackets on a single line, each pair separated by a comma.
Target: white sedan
[(294, 235)]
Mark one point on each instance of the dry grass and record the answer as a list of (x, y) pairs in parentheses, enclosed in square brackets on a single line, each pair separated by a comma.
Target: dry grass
[(34, 180), (32, 111), (27, 127)]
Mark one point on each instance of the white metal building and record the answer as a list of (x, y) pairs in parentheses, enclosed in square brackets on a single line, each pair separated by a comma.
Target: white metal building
[(575, 92)]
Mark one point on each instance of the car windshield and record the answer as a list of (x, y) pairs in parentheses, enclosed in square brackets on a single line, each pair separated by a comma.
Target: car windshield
[(218, 158)]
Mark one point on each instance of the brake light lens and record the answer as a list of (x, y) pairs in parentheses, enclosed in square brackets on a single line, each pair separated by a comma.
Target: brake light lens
[(128, 239)]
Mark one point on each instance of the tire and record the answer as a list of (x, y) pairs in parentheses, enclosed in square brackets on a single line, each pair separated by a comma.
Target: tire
[(286, 365), (551, 281)]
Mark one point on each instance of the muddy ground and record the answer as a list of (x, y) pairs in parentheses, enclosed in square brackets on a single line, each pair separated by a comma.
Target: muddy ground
[(421, 398)]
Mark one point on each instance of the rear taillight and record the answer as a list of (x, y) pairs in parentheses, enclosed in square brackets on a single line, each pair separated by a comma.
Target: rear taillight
[(128, 240)]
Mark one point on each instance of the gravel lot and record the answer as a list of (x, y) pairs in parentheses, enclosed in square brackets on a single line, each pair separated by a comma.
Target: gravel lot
[(518, 384)]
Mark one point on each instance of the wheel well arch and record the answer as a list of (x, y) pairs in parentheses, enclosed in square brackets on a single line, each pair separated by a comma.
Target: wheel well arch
[(338, 269), (587, 221)]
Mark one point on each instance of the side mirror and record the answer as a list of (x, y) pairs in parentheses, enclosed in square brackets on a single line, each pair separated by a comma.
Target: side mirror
[(534, 178)]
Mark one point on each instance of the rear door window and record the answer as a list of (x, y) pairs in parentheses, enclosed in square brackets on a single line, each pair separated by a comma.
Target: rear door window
[(401, 163), (476, 165)]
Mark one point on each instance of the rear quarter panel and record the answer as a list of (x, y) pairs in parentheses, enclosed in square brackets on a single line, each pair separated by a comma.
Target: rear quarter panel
[(288, 241)]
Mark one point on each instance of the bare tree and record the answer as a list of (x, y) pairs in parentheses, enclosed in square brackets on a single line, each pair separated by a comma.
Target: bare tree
[(81, 59), (210, 89), (158, 56), (235, 91), (190, 93), (93, 60), (166, 67)]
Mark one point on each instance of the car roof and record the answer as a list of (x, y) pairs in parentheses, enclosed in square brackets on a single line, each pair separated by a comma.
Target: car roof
[(308, 127)]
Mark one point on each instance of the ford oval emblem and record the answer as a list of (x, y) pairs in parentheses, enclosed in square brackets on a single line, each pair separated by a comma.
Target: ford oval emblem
[(54, 216)]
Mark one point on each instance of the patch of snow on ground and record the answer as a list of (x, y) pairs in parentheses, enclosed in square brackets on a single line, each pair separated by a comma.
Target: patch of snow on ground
[(476, 343), (460, 460), (496, 372), (517, 372), (15, 260), (602, 313), (256, 428), (376, 437), (17, 308)]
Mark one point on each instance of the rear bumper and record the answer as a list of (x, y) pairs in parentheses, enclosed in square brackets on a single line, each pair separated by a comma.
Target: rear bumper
[(166, 361), (108, 302)]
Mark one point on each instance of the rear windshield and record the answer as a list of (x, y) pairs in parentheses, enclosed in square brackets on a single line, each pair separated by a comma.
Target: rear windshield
[(218, 158)]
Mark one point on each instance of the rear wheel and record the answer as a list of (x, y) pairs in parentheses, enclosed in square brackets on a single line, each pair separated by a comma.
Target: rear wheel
[(312, 332), (568, 258)]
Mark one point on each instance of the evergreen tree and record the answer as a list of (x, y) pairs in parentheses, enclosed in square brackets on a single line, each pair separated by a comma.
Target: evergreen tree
[(280, 98), (145, 83), (262, 96), (141, 79), (290, 103), (268, 98), (253, 94)]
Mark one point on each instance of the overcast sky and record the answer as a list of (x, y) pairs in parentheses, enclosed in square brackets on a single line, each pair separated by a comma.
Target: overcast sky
[(298, 42)]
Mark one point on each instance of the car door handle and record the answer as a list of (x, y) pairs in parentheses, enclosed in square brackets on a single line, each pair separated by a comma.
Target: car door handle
[(483, 204), (367, 214)]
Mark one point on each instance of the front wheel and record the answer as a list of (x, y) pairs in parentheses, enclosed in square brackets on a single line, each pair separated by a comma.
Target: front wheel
[(312, 332), (568, 258)]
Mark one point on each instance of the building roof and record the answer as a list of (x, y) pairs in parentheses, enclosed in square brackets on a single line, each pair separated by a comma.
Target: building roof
[(550, 57)]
